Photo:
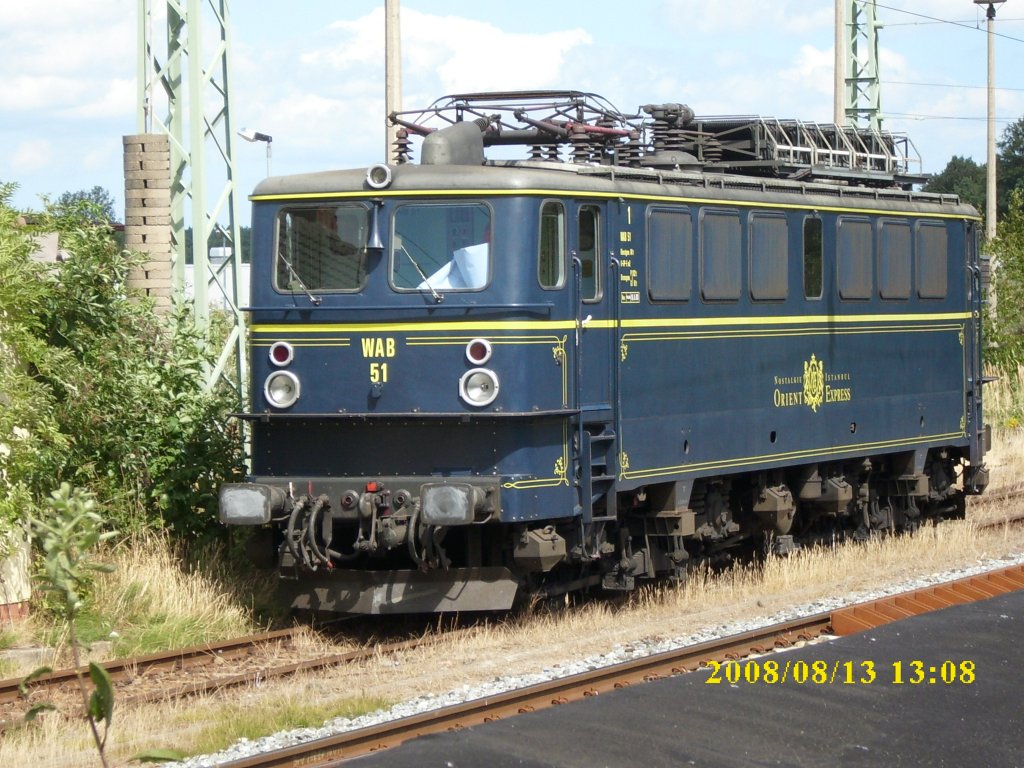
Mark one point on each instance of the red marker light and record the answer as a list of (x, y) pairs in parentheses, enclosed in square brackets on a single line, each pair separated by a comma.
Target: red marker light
[(478, 351), (281, 353), (372, 487)]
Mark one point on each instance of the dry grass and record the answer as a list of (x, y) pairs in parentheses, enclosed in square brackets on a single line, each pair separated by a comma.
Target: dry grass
[(153, 600), (1004, 398), (158, 603), (523, 644)]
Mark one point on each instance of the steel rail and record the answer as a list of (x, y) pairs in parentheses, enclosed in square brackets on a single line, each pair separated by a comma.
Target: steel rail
[(126, 670), (284, 670), (123, 669)]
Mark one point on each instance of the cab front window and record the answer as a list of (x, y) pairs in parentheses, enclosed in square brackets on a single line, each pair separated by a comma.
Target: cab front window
[(321, 248), (438, 247)]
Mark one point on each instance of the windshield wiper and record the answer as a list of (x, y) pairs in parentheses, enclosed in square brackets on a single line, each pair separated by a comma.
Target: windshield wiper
[(314, 300), (438, 298)]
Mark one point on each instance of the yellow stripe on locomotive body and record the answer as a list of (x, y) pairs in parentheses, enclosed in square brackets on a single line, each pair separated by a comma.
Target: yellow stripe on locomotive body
[(549, 325)]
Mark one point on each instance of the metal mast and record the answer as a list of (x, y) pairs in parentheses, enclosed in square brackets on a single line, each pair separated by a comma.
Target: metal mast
[(184, 93), (863, 106)]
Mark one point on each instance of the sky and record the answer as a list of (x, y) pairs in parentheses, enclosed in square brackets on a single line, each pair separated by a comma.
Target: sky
[(310, 73)]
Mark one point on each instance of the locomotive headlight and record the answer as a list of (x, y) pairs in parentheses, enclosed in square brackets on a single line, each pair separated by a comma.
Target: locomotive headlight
[(281, 389), (281, 353), (478, 386), (478, 351)]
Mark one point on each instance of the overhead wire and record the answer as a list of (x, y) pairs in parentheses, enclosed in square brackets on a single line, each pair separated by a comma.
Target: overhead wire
[(942, 21), (948, 85)]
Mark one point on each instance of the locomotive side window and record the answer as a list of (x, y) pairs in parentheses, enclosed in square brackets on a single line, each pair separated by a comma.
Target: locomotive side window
[(813, 247), (894, 260), (856, 256), (670, 254), (321, 248), (932, 259), (769, 252), (551, 252), (438, 247), (589, 248), (720, 255)]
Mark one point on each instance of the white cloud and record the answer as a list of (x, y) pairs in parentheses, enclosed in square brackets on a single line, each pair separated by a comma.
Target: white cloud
[(812, 70), (105, 99), (451, 53), (31, 155), (729, 18)]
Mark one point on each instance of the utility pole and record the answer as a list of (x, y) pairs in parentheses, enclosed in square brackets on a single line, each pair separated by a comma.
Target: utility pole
[(392, 72), (184, 93), (990, 162)]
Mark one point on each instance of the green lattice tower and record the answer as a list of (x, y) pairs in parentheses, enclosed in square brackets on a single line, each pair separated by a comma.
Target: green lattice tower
[(184, 93), (863, 98)]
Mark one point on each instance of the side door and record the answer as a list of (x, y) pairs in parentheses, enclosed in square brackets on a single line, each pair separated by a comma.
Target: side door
[(596, 344)]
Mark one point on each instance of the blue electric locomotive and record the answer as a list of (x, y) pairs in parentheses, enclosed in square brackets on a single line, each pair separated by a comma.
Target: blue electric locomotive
[(651, 340)]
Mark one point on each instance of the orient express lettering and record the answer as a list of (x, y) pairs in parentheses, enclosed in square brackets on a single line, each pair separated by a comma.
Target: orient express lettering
[(786, 399), (813, 389), (837, 394)]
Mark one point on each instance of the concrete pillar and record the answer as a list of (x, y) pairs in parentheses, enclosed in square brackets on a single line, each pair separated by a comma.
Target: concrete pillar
[(15, 586), (147, 214)]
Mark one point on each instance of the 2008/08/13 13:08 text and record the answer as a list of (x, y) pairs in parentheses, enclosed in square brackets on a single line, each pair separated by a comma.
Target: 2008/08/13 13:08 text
[(771, 672)]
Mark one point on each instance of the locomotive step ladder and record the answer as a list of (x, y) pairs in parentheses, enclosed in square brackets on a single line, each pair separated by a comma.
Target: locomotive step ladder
[(597, 469)]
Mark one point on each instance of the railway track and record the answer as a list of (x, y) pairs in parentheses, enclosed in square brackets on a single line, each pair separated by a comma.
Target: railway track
[(143, 678), (344, 746), (126, 669)]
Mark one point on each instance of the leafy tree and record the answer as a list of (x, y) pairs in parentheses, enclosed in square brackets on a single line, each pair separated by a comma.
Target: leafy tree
[(961, 176), (32, 448), (1010, 164), (98, 202), (1007, 323)]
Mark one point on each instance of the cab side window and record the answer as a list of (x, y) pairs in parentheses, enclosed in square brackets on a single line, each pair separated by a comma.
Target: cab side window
[(551, 250), (589, 246)]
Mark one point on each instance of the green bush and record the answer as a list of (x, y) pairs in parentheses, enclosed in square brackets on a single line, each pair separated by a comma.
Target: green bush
[(1006, 323), (101, 392)]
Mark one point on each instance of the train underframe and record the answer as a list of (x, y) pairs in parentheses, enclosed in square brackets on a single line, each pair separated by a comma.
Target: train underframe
[(402, 545)]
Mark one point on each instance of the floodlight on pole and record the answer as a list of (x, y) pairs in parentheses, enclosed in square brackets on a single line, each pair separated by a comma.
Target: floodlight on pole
[(254, 136), (990, 170)]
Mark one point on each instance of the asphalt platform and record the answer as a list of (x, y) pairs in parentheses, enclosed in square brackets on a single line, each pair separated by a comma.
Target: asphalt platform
[(947, 690)]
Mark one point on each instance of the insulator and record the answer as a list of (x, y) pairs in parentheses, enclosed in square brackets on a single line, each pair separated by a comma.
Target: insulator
[(582, 148), (632, 153), (402, 147), (536, 152)]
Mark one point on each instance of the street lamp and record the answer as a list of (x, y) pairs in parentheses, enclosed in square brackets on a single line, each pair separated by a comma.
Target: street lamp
[(254, 136), (990, 186)]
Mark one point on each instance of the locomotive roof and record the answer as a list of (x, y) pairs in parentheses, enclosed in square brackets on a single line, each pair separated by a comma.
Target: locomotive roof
[(579, 144), (552, 178)]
